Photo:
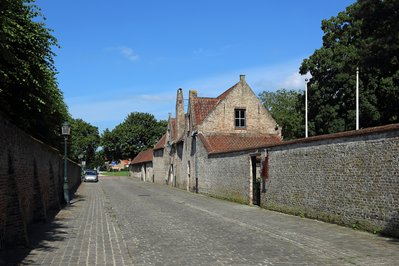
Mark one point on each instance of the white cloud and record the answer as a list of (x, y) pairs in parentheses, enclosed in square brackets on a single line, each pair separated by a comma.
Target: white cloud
[(125, 51), (269, 78), (129, 53), (109, 112), (294, 81)]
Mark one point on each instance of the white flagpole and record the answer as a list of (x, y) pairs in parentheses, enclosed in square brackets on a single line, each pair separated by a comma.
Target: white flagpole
[(306, 108), (357, 98)]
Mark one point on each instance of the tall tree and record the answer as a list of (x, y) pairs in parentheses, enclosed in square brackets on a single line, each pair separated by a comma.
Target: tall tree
[(364, 36), (109, 143), (29, 95), (287, 108), (84, 141), (138, 132)]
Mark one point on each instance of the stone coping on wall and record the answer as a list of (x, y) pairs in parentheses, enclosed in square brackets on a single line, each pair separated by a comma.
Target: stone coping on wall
[(340, 135)]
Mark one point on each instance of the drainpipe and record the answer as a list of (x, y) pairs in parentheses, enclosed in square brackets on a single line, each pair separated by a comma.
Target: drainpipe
[(194, 135)]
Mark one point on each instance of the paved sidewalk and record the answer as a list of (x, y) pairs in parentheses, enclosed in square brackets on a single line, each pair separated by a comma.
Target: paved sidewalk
[(85, 233)]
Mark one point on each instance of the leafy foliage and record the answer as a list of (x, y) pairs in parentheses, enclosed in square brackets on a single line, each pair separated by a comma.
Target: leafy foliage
[(84, 141), (287, 108), (138, 132), (364, 36), (29, 96)]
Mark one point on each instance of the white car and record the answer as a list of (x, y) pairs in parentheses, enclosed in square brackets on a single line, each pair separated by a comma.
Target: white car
[(90, 175)]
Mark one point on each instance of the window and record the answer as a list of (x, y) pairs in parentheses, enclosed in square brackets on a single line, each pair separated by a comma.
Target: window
[(239, 118)]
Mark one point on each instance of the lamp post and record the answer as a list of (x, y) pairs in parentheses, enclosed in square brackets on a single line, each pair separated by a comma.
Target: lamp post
[(80, 157), (357, 98), (66, 130), (306, 107)]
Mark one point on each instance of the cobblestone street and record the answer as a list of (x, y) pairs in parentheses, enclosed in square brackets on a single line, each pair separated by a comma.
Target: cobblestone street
[(122, 221)]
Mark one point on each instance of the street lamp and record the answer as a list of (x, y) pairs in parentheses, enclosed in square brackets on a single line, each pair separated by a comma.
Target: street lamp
[(306, 107), (66, 131), (80, 157)]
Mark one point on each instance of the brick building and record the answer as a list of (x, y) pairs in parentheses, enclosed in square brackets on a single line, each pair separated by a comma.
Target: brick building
[(215, 147), (142, 166)]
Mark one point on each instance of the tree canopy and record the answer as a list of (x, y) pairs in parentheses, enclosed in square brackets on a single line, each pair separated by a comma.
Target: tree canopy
[(138, 132), (365, 36), (85, 140), (29, 95), (287, 108)]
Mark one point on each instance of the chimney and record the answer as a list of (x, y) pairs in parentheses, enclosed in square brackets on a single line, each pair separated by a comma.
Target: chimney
[(179, 113), (242, 78), (192, 94)]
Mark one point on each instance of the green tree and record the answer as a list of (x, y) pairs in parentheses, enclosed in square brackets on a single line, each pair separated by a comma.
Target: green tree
[(138, 132), (109, 143), (84, 141), (29, 95), (364, 36), (287, 108)]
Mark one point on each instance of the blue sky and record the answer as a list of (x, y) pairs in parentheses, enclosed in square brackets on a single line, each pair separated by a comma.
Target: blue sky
[(123, 56)]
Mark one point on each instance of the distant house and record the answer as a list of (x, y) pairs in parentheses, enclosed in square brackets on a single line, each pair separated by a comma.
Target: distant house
[(142, 167), (122, 165), (215, 147)]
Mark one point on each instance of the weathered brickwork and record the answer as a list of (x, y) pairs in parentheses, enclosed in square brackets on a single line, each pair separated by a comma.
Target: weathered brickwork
[(31, 182), (224, 176), (143, 171), (221, 119), (352, 180), (160, 165)]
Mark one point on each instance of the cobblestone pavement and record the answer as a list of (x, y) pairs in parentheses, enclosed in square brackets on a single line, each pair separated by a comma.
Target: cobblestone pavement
[(167, 226), (85, 233), (123, 221)]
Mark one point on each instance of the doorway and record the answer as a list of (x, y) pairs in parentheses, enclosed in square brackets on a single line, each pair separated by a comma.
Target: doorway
[(255, 168)]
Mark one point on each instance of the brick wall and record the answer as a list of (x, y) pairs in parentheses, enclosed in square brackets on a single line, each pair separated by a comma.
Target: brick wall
[(31, 182), (143, 171), (349, 178), (225, 175), (160, 164), (221, 119)]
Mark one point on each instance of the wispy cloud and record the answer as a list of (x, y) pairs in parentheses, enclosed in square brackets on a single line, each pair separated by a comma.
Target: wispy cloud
[(269, 78), (127, 52), (106, 112)]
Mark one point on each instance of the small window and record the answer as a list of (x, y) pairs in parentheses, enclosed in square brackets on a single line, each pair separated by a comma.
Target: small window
[(239, 118)]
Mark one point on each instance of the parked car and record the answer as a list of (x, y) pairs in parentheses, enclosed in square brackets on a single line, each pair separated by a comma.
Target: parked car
[(90, 175)]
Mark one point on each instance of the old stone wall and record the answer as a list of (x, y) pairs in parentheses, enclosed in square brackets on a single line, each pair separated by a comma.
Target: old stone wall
[(351, 180), (31, 182), (135, 171), (224, 176), (148, 172), (160, 164), (143, 171)]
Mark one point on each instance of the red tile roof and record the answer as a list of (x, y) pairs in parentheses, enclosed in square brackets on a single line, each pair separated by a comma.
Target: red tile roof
[(142, 157), (224, 143), (161, 143), (202, 107)]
